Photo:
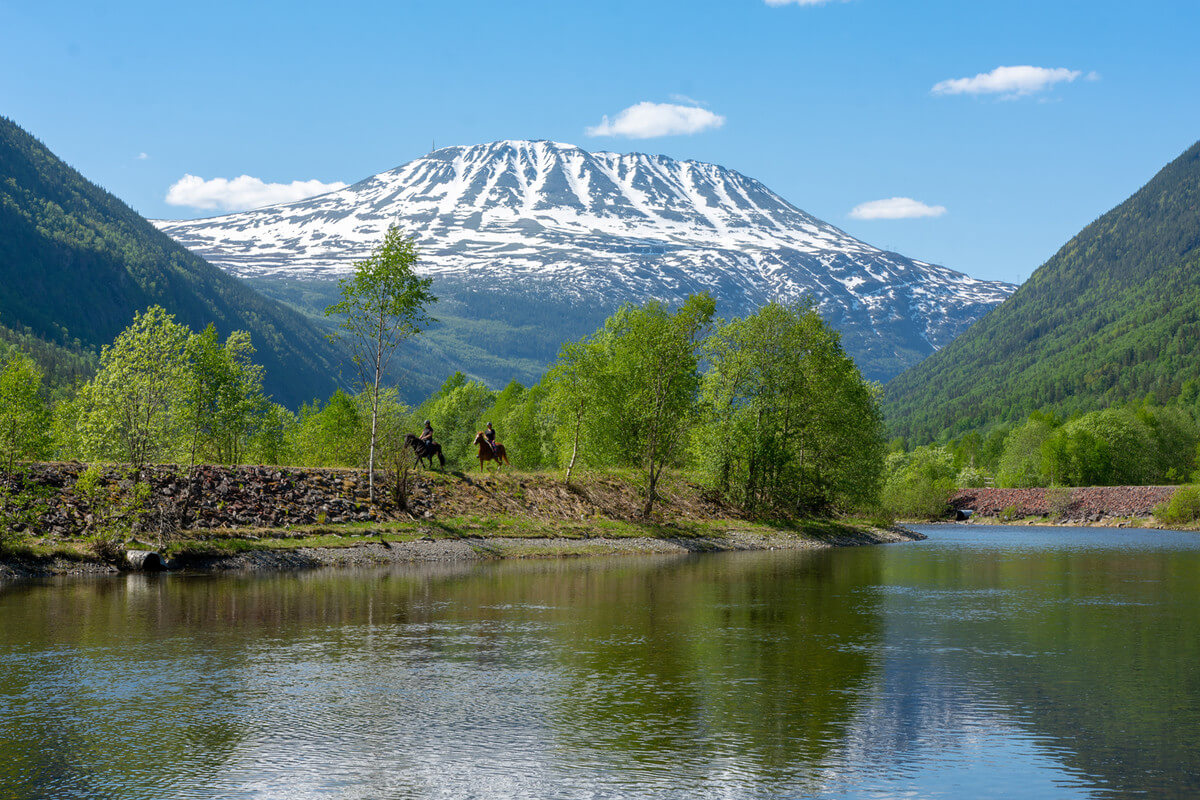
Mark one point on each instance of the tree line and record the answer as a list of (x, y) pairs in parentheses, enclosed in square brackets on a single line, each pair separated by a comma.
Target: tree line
[(767, 410), (1139, 443)]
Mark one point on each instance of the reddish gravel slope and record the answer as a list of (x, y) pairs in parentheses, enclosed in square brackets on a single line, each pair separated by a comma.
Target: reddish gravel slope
[(1081, 503)]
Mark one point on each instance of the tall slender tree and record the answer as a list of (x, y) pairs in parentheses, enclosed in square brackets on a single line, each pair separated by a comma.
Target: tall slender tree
[(652, 377), (24, 417), (383, 304)]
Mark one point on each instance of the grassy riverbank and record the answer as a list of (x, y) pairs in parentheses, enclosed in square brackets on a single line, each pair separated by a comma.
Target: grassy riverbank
[(450, 516)]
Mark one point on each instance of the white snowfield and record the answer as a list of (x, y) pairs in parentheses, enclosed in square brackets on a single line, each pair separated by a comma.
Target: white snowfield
[(543, 216)]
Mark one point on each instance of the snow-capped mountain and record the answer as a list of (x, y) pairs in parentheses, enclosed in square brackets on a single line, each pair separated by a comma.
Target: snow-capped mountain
[(586, 231)]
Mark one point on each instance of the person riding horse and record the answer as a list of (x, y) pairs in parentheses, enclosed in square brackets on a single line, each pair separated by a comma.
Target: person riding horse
[(490, 434), (427, 434)]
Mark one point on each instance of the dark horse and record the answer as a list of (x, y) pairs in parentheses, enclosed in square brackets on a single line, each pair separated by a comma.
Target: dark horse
[(424, 449), (487, 454)]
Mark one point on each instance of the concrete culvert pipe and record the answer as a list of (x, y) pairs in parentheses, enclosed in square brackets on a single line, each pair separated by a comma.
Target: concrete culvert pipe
[(145, 560)]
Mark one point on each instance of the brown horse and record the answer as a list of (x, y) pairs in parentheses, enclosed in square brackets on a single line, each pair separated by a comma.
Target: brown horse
[(486, 454)]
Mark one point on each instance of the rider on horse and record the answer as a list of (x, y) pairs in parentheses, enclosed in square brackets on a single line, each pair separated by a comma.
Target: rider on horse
[(427, 434), (490, 434)]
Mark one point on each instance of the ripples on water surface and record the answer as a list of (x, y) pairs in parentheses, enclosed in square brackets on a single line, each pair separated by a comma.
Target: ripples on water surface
[(985, 662)]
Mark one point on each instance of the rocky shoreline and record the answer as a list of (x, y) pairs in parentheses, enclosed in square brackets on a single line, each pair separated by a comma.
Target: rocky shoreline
[(379, 552), (255, 517)]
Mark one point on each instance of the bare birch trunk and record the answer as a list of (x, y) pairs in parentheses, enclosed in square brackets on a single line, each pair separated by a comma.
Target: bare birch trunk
[(575, 441)]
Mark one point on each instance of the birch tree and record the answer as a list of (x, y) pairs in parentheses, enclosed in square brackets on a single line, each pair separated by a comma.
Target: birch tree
[(788, 424), (646, 381), (132, 411), (383, 304), (24, 417)]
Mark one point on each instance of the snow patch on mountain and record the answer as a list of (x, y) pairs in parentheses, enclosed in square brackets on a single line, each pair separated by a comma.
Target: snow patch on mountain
[(600, 227)]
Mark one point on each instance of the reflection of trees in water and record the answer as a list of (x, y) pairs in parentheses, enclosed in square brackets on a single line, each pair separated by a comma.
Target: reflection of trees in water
[(1093, 652), (746, 663), (742, 664), (92, 699)]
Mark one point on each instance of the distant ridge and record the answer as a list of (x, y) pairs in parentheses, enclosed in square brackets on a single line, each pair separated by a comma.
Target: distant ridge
[(76, 264), (533, 242), (1114, 315)]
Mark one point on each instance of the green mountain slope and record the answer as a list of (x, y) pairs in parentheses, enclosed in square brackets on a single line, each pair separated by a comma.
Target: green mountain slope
[(1114, 315), (76, 263)]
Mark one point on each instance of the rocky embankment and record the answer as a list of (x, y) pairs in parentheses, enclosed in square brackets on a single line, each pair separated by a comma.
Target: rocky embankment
[(218, 497), (1067, 506), (213, 497), (450, 516)]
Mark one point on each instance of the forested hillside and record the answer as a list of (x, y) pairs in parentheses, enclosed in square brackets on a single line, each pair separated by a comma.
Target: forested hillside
[(76, 264), (1113, 316)]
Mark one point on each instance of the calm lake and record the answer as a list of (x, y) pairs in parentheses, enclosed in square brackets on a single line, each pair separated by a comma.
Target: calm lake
[(984, 662)]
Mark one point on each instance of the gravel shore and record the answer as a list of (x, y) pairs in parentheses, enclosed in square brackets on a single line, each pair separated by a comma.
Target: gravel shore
[(472, 549), (481, 549)]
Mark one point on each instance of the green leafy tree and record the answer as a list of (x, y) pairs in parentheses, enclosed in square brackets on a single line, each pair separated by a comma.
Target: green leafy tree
[(383, 304), (1104, 448), (572, 387), (223, 397), (788, 424), (132, 411), (24, 417), (919, 484), (1176, 437), (272, 439), (1021, 462), (528, 429), (651, 380), (332, 435)]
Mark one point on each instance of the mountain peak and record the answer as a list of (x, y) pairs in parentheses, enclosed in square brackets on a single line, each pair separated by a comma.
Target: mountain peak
[(602, 228)]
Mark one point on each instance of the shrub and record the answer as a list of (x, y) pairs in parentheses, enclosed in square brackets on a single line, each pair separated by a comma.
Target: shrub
[(22, 504), (1007, 514), (1183, 507), (1058, 501), (919, 483), (114, 511)]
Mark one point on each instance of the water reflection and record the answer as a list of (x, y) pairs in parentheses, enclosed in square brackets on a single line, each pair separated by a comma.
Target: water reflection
[(968, 665)]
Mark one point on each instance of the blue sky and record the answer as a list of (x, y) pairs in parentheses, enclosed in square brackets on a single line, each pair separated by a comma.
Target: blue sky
[(831, 104)]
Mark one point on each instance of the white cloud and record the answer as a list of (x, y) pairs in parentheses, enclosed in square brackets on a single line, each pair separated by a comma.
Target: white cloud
[(800, 2), (647, 120), (1010, 81), (243, 192), (141, 156), (896, 208)]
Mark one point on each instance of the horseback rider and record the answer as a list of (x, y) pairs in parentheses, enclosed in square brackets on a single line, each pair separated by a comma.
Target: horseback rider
[(427, 434), (489, 433)]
